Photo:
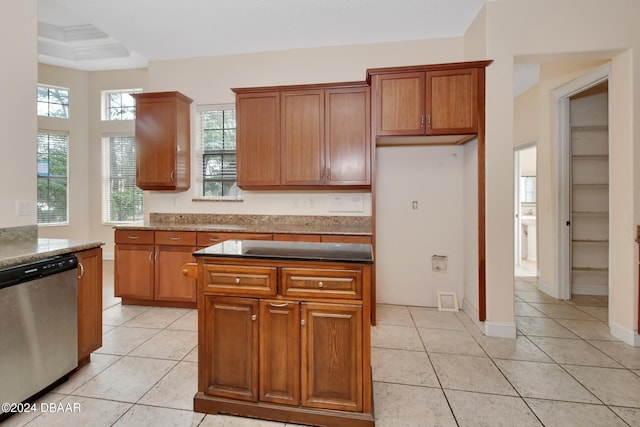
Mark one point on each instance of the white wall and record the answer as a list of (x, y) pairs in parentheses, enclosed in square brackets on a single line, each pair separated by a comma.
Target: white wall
[(407, 238), (600, 30), (77, 127), (18, 38)]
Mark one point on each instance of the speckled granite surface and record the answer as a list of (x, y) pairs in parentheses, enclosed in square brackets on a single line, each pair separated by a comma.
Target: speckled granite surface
[(276, 224), (19, 245)]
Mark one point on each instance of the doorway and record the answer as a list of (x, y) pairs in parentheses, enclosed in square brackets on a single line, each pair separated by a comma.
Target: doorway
[(526, 219), (583, 186)]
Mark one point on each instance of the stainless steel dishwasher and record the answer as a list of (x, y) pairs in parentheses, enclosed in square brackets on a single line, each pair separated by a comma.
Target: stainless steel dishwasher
[(38, 326)]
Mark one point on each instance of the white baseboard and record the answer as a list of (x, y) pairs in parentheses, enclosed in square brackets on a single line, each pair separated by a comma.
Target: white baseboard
[(488, 327), (548, 289), (590, 289), (628, 336), (499, 329)]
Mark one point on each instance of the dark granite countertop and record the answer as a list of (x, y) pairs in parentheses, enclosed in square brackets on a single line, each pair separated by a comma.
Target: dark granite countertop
[(301, 251), (267, 224), (35, 249)]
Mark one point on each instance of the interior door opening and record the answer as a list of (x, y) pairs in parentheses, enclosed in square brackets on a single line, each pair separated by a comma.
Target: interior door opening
[(526, 218)]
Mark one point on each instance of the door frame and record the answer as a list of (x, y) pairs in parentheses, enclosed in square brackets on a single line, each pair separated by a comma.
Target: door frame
[(517, 197), (562, 181)]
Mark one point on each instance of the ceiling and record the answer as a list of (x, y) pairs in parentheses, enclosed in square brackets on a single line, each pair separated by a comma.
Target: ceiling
[(119, 34)]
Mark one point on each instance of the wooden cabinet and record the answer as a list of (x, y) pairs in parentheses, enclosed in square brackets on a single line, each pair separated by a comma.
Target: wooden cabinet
[(205, 238), (332, 356), (297, 352), (134, 264), (231, 347), (258, 139), (303, 147), (173, 249), (280, 351), (328, 238), (89, 301), (427, 100), (163, 141), (321, 134), (148, 267)]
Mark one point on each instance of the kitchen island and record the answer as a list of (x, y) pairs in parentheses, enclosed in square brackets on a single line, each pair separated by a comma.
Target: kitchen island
[(284, 331)]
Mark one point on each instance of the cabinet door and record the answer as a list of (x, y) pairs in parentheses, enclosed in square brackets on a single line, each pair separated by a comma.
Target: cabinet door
[(348, 141), (400, 103), (134, 271), (89, 301), (171, 284), (280, 352), (163, 141), (332, 356), (452, 102), (231, 347), (258, 139), (303, 138)]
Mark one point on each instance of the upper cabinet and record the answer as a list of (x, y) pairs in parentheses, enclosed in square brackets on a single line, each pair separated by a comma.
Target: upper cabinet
[(163, 141), (258, 139), (312, 136), (430, 100)]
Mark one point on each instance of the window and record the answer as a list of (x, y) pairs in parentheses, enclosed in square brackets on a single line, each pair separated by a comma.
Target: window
[(52, 177), (121, 199), (53, 102), (218, 136), (119, 104)]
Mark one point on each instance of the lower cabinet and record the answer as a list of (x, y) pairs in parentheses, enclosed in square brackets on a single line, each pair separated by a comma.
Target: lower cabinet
[(148, 267), (89, 301), (306, 358)]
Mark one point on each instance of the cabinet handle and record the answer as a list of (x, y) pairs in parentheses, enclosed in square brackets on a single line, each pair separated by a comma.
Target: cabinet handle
[(254, 316), (328, 173), (150, 256), (133, 237), (81, 270), (321, 285), (302, 322), (214, 239), (275, 304), (174, 238), (429, 120), (421, 120), (172, 174), (237, 280)]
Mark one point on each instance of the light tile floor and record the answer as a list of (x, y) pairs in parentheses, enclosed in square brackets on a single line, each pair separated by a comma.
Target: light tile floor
[(430, 368)]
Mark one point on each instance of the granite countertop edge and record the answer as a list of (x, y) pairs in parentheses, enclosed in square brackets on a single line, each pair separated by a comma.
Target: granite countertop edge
[(251, 228), (44, 248)]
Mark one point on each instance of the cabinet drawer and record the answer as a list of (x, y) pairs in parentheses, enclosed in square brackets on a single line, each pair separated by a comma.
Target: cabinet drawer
[(238, 280), (178, 238), (137, 237), (211, 238), (322, 283)]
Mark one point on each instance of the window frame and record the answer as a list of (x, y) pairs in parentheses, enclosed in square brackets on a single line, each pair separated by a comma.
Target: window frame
[(48, 176), (105, 103), (66, 107), (106, 200), (200, 155)]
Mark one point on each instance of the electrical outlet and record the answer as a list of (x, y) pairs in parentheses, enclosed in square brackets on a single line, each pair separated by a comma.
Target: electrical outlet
[(439, 263)]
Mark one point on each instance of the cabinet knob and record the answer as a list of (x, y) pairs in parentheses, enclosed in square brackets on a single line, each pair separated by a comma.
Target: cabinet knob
[(302, 322), (237, 280), (321, 285), (254, 316)]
